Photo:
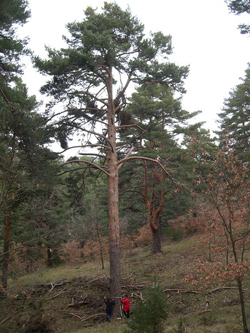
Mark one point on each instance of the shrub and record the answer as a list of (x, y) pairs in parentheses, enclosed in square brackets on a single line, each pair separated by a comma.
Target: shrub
[(144, 237), (149, 315), (176, 234)]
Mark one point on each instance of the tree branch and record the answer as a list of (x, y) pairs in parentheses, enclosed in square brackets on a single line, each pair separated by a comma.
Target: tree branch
[(126, 159), (95, 133), (86, 162), (145, 192), (6, 99), (87, 117), (127, 155), (161, 206), (131, 126), (83, 146), (122, 91), (92, 154)]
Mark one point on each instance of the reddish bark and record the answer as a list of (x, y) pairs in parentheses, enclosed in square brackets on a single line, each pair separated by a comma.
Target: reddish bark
[(153, 212)]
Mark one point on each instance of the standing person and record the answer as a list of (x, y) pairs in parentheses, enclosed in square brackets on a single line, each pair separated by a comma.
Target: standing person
[(126, 305), (109, 307)]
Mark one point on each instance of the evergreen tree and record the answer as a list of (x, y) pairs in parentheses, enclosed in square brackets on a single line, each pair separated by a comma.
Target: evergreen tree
[(12, 14), (149, 315), (24, 162), (25, 169), (239, 7), (234, 118), (160, 115), (105, 52)]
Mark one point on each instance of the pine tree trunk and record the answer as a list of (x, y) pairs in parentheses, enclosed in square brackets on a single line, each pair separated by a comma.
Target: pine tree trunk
[(113, 205), (156, 244), (6, 249), (114, 242)]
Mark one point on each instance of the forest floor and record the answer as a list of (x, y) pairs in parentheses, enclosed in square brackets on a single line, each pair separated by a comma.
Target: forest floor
[(69, 298)]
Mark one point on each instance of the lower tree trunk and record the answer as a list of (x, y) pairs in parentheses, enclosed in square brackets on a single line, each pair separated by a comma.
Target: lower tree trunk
[(242, 304), (6, 249), (114, 243), (156, 244)]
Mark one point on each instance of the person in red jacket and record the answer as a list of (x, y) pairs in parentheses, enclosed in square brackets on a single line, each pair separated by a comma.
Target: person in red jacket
[(126, 306)]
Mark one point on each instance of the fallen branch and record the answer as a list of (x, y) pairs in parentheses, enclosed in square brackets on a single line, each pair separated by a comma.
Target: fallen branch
[(53, 285), (75, 315), (181, 291), (138, 296), (99, 278), (222, 288), (72, 314), (61, 292), (4, 320), (57, 283), (94, 316)]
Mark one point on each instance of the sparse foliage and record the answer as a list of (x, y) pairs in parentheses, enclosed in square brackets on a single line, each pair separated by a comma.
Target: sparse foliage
[(227, 189)]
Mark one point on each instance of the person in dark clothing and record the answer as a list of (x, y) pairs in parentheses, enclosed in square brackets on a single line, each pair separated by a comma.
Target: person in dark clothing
[(109, 307), (126, 306)]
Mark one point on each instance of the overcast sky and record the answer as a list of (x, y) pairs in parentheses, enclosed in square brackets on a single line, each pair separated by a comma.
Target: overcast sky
[(204, 36)]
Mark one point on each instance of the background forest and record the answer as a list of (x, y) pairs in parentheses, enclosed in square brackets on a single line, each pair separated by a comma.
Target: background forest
[(147, 177)]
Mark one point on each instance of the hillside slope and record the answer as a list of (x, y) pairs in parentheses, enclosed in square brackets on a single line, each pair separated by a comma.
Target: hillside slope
[(70, 298)]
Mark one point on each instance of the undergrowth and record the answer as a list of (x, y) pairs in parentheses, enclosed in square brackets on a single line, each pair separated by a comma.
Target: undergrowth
[(40, 294)]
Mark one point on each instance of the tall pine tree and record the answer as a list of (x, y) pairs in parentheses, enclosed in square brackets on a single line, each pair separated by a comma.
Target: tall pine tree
[(105, 53)]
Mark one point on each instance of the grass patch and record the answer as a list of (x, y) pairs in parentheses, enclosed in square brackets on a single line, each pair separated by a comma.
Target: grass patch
[(48, 275), (116, 326)]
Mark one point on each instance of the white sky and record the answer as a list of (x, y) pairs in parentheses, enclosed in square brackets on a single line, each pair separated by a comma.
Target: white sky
[(204, 36)]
